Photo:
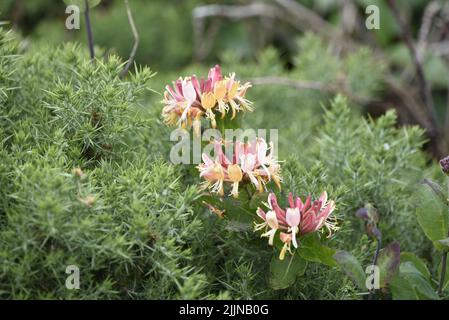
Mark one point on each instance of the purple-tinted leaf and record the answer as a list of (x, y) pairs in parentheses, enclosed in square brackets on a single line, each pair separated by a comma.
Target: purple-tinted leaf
[(362, 213), (388, 263)]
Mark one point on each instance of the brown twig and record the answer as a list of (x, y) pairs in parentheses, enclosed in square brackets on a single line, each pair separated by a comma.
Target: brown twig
[(446, 122), (136, 40), (424, 87), (237, 11), (439, 48), (409, 102), (297, 84), (429, 13), (204, 40), (89, 31), (301, 85), (376, 256), (307, 17)]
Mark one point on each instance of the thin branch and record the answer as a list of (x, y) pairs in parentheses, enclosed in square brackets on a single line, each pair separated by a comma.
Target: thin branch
[(304, 15), (290, 12), (204, 41), (237, 11), (409, 102), (429, 13), (424, 87), (136, 40), (301, 85), (439, 49), (89, 31), (376, 256), (446, 122), (443, 273), (297, 84), (443, 262)]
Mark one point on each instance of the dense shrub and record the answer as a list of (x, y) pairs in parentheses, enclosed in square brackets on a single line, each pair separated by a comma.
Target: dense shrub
[(125, 221), (85, 180)]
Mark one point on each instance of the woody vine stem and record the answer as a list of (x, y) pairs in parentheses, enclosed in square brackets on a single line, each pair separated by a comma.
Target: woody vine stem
[(89, 31), (443, 261)]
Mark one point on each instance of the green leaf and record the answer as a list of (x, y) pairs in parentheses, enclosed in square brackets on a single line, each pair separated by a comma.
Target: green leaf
[(82, 3), (437, 190), (311, 249), (417, 262), (444, 242), (411, 284), (388, 263), (284, 272), (432, 216), (351, 266), (257, 199)]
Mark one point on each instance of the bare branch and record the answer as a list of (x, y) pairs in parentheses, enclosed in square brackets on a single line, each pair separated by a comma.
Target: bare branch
[(237, 11), (204, 40), (306, 16), (136, 40), (413, 106), (426, 24), (446, 122), (89, 31), (439, 48), (301, 85), (424, 87), (297, 84)]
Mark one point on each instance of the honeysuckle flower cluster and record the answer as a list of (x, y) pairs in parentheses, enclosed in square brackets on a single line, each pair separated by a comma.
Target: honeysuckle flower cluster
[(247, 164), (251, 162), (298, 219), (191, 98)]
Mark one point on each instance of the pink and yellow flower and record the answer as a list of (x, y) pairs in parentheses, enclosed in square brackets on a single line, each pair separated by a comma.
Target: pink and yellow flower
[(189, 98), (298, 219), (251, 162)]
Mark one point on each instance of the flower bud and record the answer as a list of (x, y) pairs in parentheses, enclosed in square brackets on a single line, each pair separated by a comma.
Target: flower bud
[(88, 201), (220, 90), (235, 173), (78, 173), (362, 213), (444, 163), (208, 100)]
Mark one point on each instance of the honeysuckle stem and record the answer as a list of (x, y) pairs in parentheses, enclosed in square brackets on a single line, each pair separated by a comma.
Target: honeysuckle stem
[(89, 31), (443, 273), (443, 261), (248, 192), (376, 255), (136, 40)]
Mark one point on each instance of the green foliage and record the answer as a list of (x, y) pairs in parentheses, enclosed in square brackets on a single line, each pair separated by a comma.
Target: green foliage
[(313, 250), (417, 262), (411, 284), (124, 221), (351, 266), (136, 226), (432, 215), (8, 57), (364, 161), (284, 272)]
